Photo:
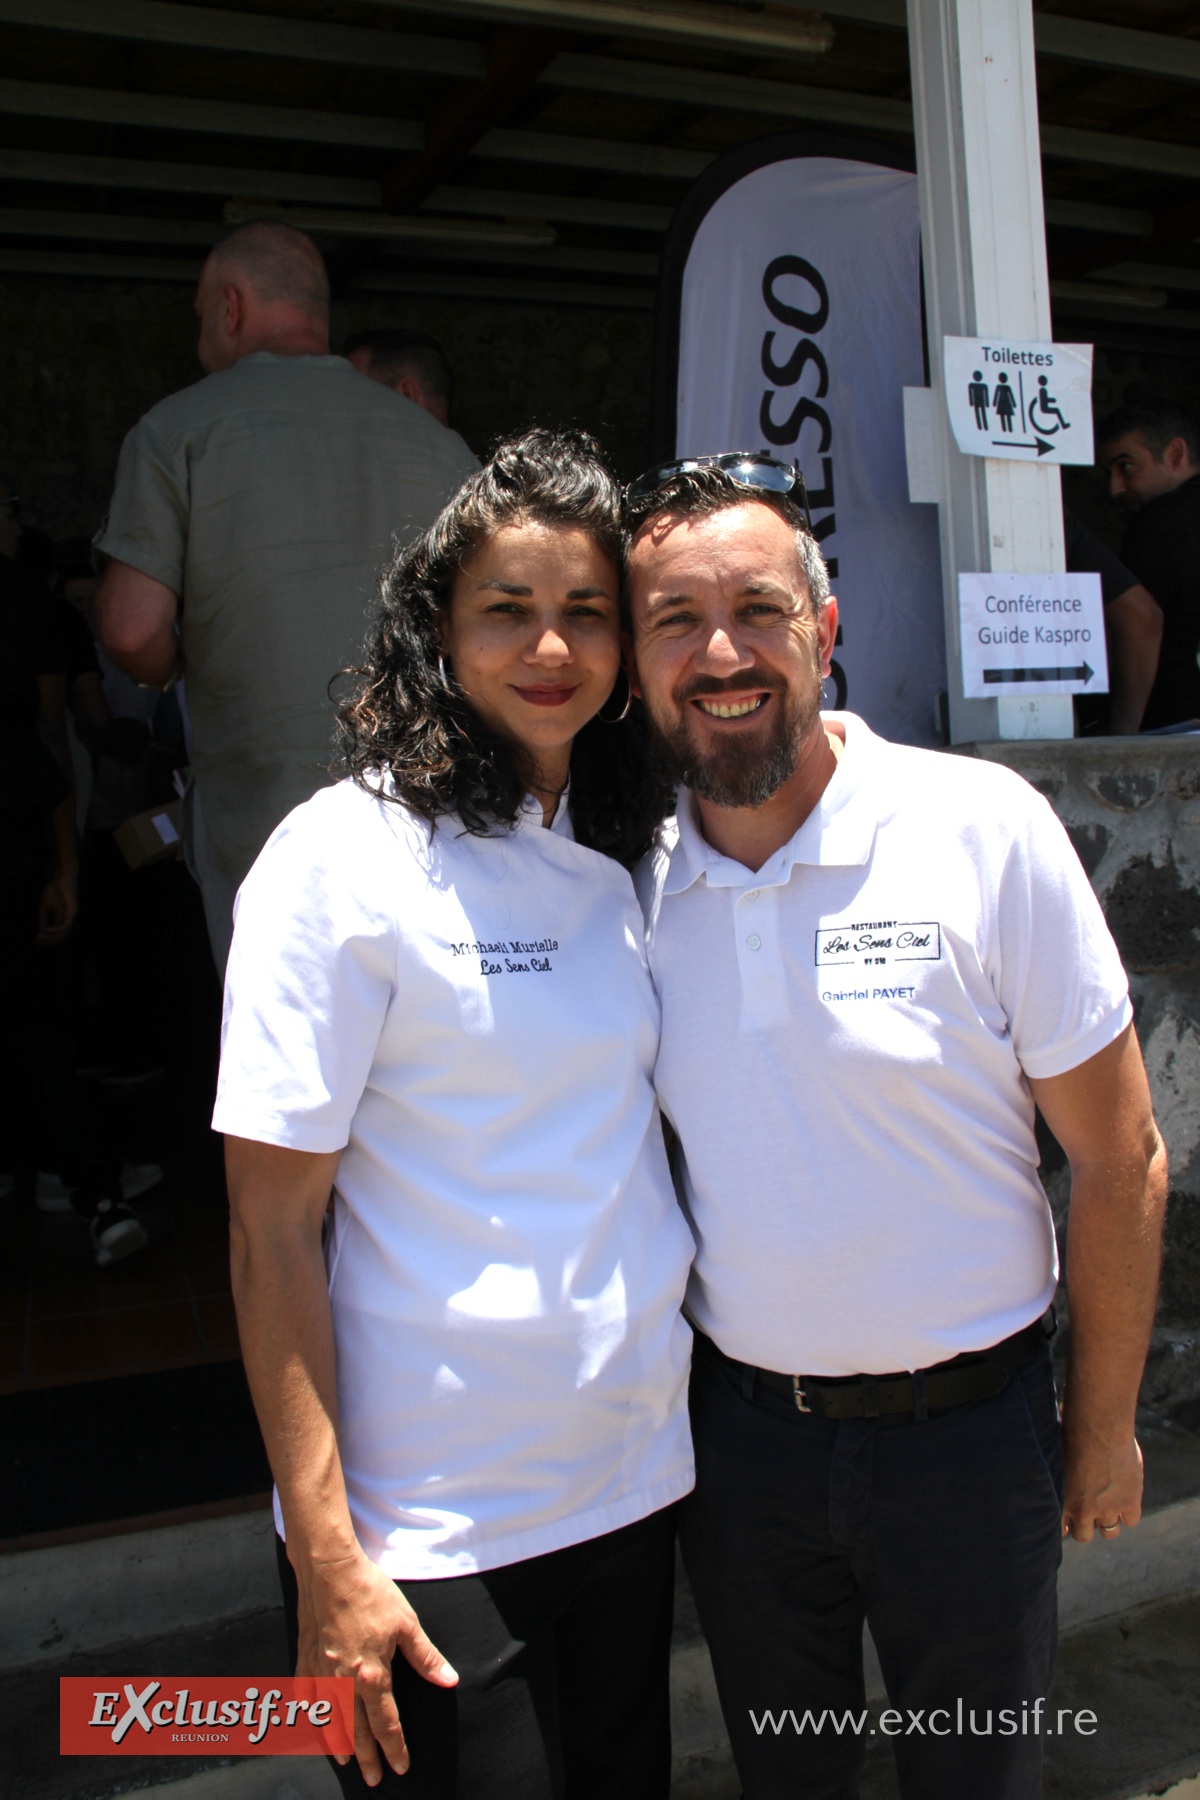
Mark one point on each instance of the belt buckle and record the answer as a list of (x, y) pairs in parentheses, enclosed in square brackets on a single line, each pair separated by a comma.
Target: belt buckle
[(798, 1395)]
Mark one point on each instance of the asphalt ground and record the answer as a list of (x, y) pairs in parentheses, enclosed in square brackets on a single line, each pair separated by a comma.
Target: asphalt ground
[(1138, 1672)]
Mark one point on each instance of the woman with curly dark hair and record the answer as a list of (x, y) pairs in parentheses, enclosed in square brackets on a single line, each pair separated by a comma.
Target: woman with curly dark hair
[(440, 1028)]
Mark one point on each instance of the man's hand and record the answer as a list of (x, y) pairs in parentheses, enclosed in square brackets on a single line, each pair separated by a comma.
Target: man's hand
[(57, 910), (1103, 1487), (1100, 1112), (353, 1619)]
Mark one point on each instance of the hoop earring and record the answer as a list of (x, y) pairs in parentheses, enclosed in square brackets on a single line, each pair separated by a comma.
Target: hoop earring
[(625, 709), (442, 673)]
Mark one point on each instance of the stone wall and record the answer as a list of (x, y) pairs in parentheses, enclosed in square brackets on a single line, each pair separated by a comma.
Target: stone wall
[(81, 361), (1132, 808)]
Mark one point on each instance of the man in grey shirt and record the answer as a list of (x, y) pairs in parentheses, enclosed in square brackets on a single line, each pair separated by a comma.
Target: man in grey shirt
[(251, 516)]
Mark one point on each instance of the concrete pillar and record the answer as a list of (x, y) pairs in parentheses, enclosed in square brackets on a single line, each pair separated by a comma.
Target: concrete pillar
[(984, 252)]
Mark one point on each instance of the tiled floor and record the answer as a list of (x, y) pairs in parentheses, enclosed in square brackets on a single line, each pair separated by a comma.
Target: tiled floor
[(63, 1320)]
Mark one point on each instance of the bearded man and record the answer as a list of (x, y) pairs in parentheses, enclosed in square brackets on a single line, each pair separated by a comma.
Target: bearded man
[(874, 962)]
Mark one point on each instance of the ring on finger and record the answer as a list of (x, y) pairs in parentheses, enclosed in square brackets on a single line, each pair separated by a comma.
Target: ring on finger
[(1108, 1530)]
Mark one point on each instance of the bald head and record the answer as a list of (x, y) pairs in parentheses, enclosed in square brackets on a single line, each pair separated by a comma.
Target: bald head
[(263, 287)]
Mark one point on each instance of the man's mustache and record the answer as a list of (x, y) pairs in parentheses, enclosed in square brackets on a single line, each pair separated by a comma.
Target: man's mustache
[(706, 686)]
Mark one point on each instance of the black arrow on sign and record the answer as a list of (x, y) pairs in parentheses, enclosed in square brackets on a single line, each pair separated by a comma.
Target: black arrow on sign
[(1083, 673), (1038, 444)]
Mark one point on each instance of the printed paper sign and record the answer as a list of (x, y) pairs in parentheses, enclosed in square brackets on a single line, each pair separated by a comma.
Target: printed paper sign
[(1032, 634), (149, 1715), (1019, 401)]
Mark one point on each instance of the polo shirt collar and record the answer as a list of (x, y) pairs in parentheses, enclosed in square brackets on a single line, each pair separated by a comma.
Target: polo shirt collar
[(839, 832), (529, 818)]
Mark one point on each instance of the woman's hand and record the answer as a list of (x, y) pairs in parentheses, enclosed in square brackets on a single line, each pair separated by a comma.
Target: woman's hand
[(353, 1619)]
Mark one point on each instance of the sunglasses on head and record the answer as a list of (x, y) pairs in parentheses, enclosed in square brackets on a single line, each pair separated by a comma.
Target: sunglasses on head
[(753, 470)]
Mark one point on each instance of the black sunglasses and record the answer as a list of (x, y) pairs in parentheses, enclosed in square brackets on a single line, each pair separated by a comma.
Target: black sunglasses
[(753, 470)]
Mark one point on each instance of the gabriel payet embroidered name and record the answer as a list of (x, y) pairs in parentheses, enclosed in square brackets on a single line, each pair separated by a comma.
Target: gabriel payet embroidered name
[(509, 956)]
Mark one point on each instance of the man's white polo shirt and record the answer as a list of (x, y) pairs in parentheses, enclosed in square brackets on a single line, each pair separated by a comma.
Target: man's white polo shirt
[(846, 1036), (473, 1019)]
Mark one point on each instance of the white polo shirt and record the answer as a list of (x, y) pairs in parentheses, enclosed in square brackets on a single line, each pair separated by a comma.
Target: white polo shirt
[(846, 1036), (473, 1019)]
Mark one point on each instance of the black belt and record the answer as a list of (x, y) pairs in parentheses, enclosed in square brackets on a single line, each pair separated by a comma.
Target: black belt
[(976, 1375)]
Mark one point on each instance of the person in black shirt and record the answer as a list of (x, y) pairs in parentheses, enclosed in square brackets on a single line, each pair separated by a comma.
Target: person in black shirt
[(1152, 453), (38, 905), (1133, 626)]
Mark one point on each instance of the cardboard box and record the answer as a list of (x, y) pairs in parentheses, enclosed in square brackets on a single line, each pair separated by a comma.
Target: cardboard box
[(152, 836)]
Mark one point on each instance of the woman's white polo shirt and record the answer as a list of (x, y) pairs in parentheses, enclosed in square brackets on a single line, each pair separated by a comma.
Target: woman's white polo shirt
[(473, 1020)]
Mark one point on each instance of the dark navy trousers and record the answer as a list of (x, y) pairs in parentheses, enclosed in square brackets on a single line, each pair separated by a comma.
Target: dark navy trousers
[(944, 1534), (563, 1676)]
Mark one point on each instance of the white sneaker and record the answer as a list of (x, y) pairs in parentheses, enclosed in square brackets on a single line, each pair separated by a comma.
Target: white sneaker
[(136, 1178), (116, 1232)]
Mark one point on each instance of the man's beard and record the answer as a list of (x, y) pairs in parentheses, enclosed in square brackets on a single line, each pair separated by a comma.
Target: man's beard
[(740, 770)]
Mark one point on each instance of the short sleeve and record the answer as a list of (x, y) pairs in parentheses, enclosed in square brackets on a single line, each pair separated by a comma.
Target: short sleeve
[(1086, 553), (1057, 971), (147, 522), (311, 975)]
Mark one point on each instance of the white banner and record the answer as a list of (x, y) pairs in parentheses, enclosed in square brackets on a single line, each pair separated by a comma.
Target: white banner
[(799, 325)]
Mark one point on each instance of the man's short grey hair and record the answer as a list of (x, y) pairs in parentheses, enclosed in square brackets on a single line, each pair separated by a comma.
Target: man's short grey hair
[(280, 263), (704, 491)]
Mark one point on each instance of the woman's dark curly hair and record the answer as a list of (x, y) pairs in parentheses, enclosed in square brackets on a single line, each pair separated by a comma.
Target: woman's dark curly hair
[(401, 721)]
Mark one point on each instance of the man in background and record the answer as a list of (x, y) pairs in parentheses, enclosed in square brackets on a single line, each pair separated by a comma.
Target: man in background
[(251, 516), (411, 363), (1151, 450)]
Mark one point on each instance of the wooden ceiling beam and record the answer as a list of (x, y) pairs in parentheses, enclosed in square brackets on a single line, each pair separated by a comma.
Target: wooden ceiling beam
[(565, 209), (516, 58), (1079, 41), (710, 27), (486, 287), (69, 169), (726, 92), (220, 118), (443, 236), (80, 265), (28, 221), (160, 112), (1116, 48), (1149, 156), (1181, 225), (1087, 215), (250, 34), (1157, 274)]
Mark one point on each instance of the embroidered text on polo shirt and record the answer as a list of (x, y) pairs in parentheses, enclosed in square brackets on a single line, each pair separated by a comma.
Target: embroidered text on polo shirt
[(879, 941), (537, 950)]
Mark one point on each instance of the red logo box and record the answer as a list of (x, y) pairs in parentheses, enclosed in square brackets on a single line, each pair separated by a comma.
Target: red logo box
[(252, 1715)]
